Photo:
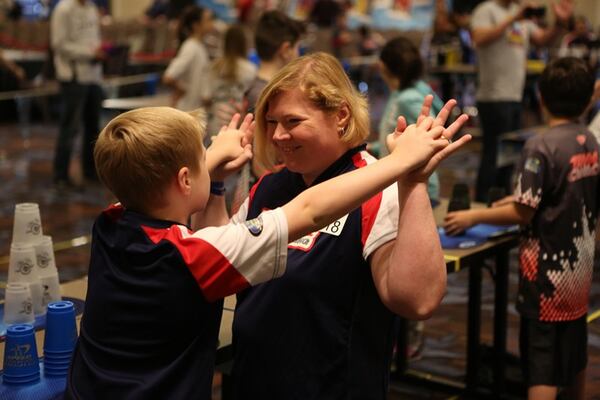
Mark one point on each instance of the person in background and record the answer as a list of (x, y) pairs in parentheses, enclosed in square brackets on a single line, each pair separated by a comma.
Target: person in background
[(401, 68), (324, 330), (277, 42), (580, 42), (556, 200), (501, 35), (76, 44), (230, 76), (187, 73)]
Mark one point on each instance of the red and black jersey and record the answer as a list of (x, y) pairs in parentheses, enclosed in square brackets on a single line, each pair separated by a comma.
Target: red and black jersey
[(320, 331), (558, 177), (154, 301)]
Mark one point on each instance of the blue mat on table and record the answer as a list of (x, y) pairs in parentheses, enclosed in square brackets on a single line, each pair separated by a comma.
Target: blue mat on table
[(475, 235), (48, 388), (40, 321)]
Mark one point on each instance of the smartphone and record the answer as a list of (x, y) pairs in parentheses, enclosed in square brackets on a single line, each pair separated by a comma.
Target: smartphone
[(534, 12)]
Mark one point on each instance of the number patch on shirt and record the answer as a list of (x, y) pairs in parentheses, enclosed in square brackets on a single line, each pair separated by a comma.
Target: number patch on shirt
[(335, 228)]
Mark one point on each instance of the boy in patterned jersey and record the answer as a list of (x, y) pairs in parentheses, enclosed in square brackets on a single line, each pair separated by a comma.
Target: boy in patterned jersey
[(155, 288), (556, 202)]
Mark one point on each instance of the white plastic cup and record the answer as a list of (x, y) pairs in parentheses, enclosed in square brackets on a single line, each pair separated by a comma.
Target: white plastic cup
[(18, 305), (37, 296), (44, 253), (51, 289), (27, 225), (22, 266)]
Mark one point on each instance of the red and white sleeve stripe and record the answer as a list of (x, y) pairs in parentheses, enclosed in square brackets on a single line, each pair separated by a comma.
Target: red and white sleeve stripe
[(227, 259)]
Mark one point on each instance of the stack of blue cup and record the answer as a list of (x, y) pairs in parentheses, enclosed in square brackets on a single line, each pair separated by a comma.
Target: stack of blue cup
[(21, 364), (60, 338)]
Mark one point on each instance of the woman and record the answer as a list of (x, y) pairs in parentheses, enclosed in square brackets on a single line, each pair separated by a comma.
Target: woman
[(324, 330), (187, 72), (401, 68)]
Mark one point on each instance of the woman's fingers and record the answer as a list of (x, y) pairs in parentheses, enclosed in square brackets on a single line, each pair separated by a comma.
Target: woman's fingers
[(444, 113), (246, 122), (450, 131)]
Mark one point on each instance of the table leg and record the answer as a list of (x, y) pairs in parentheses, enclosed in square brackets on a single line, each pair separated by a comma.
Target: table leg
[(401, 345), (473, 327), (500, 321)]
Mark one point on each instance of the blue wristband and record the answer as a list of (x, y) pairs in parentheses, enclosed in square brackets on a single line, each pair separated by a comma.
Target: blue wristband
[(217, 188)]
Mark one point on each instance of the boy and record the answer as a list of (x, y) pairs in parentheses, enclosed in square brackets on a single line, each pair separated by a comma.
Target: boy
[(277, 40), (155, 288), (556, 201)]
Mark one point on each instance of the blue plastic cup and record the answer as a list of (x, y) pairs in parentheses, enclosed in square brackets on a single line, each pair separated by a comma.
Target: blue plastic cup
[(61, 331), (21, 364)]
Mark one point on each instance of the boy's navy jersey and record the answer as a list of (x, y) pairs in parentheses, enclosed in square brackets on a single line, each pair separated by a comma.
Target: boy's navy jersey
[(320, 331), (558, 177), (154, 301)]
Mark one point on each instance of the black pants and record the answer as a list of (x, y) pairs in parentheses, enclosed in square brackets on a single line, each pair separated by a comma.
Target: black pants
[(496, 118), (81, 103)]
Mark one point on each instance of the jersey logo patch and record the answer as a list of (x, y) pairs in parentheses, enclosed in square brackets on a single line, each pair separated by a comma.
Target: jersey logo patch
[(255, 226), (305, 243), (532, 164)]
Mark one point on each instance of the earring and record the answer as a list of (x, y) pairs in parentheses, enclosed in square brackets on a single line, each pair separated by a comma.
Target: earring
[(341, 131)]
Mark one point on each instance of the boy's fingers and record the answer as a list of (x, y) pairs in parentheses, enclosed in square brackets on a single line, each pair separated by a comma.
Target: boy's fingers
[(425, 123), (425, 108), (234, 121), (455, 126), (444, 113)]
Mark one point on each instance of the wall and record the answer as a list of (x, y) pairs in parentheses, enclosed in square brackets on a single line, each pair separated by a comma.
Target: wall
[(125, 9)]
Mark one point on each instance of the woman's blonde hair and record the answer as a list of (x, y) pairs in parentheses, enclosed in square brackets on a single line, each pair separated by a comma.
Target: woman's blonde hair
[(322, 79), (139, 153)]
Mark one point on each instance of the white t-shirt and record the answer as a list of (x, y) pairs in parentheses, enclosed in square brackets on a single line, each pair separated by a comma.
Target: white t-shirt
[(190, 68), (502, 64), (75, 37)]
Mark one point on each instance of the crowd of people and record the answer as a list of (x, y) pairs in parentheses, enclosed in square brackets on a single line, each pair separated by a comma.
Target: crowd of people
[(328, 245)]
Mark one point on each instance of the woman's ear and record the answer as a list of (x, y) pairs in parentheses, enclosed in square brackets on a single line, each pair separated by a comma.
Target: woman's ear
[(343, 117), (184, 181)]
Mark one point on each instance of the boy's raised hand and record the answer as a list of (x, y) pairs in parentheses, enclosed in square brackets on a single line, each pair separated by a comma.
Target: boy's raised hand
[(231, 148)]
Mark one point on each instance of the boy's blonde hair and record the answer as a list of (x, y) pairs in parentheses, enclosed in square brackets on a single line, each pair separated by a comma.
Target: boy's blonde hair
[(323, 80), (139, 153)]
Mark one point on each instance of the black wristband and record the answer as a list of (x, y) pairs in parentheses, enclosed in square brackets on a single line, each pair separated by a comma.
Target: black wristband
[(217, 188)]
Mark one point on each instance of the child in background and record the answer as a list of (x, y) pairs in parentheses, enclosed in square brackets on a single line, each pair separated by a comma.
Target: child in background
[(230, 75), (556, 202), (155, 289), (401, 69), (187, 72)]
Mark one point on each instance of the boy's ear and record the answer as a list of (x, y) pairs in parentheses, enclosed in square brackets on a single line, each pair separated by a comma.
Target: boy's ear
[(184, 181), (284, 51)]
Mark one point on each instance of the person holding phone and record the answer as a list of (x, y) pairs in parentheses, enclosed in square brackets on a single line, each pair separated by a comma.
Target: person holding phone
[(501, 34)]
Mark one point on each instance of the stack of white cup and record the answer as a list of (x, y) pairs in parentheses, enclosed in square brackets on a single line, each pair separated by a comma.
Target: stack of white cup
[(32, 274)]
